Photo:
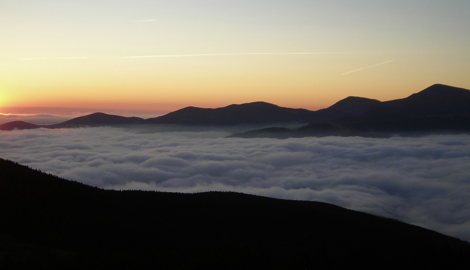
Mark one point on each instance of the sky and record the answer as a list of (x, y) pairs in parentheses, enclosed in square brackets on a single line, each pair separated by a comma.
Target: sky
[(145, 58), (422, 180)]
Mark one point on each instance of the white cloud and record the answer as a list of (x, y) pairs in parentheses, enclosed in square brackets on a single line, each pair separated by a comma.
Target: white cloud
[(424, 181)]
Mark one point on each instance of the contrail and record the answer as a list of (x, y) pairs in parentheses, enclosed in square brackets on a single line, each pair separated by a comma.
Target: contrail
[(148, 20), (35, 58), (73, 57), (57, 58), (185, 55), (226, 54), (230, 54), (359, 69)]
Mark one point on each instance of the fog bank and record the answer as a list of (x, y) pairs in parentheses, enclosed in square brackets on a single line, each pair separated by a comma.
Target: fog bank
[(423, 181)]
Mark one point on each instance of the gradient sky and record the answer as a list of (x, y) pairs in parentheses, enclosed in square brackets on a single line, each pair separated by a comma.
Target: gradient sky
[(164, 55)]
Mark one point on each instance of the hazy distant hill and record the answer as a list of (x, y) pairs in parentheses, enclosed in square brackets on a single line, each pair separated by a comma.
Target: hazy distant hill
[(98, 119), (92, 120), (256, 113), (438, 108), (18, 125), (55, 223)]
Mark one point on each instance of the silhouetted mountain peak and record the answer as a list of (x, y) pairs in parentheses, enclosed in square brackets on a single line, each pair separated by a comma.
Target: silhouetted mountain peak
[(438, 108), (236, 114), (352, 101), (437, 99), (350, 106), (437, 91), (443, 87), (97, 114), (98, 119), (18, 125), (257, 104)]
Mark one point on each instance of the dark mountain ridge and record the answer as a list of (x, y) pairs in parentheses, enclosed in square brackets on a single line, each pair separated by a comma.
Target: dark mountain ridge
[(354, 105), (436, 109), (255, 113), (235, 114), (348, 107), (52, 223), (18, 125), (436, 99), (92, 120), (98, 119)]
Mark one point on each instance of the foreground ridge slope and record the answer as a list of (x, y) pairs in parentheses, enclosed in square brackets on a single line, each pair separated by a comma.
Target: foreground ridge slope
[(82, 227)]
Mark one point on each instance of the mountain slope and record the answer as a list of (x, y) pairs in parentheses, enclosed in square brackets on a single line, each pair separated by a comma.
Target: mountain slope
[(102, 229), (263, 113), (237, 114), (348, 107), (438, 108), (91, 120), (18, 125), (437, 99), (98, 119)]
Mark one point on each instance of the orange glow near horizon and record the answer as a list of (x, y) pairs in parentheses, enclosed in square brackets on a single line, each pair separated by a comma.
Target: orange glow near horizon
[(296, 81), (166, 55)]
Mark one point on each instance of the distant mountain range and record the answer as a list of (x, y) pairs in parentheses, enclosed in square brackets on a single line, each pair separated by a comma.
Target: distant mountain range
[(52, 223), (243, 114), (439, 108), (256, 113)]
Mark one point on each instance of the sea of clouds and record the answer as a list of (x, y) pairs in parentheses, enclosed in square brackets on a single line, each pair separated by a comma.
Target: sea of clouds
[(423, 181)]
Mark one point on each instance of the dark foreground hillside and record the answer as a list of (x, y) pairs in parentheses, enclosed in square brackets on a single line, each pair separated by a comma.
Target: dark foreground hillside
[(52, 223)]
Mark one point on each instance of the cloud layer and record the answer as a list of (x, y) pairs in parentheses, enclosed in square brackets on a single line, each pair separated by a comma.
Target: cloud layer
[(423, 181)]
